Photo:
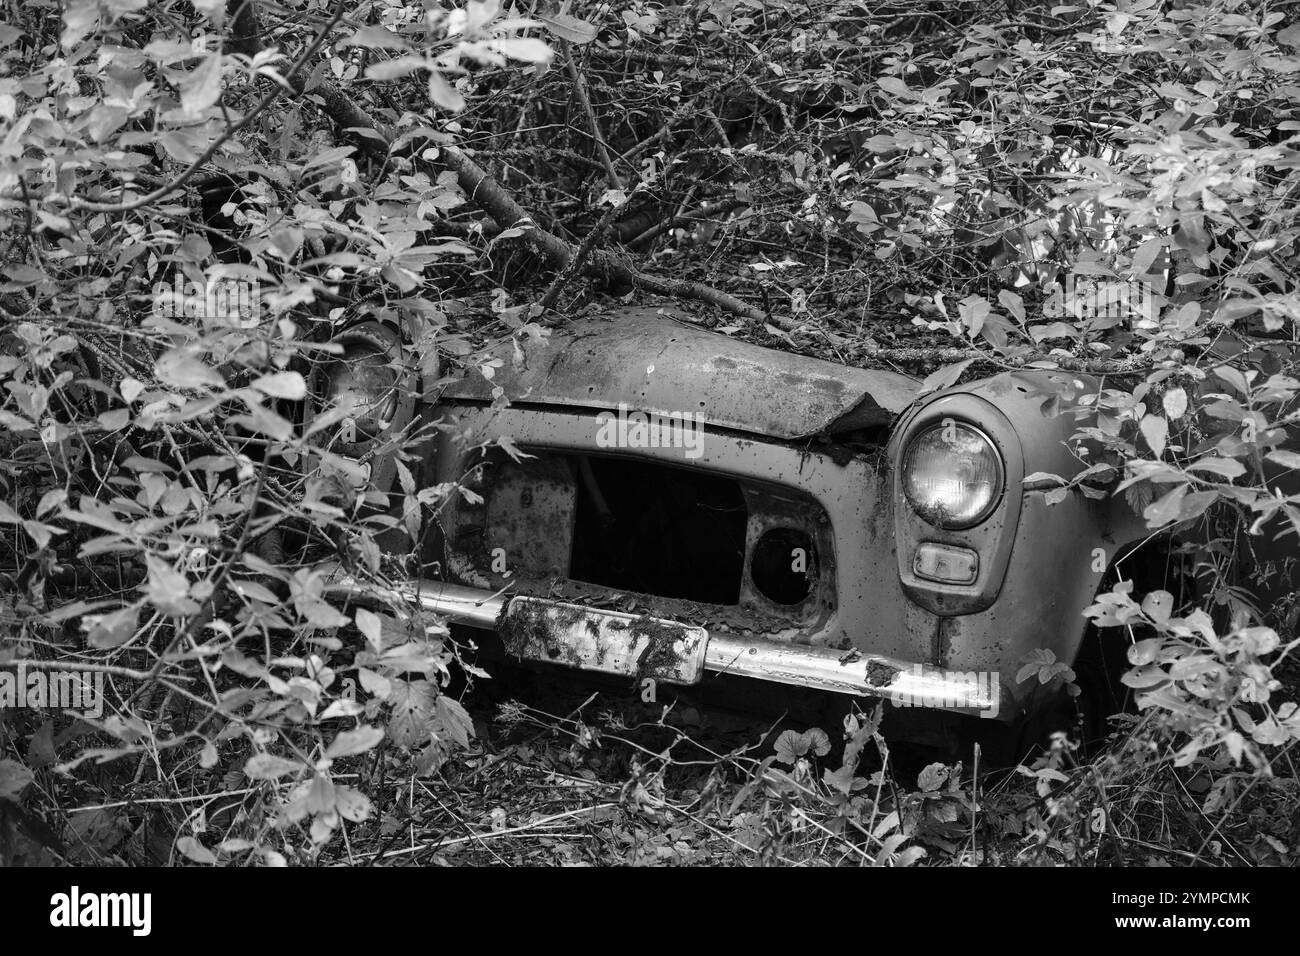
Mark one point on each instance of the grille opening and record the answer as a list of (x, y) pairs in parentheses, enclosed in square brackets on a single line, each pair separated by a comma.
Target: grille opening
[(659, 530), (784, 565)]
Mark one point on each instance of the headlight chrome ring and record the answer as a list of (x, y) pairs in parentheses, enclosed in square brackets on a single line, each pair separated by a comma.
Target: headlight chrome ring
[(364, 376), (952, 474)]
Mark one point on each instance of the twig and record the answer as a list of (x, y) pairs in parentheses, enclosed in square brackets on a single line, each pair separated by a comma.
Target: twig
[(82, 667), (716, 123), (580, 257), (705, 211), (204, 614), (498, 833), (580, 88), (661, 133), (498, 204), (148, 801)]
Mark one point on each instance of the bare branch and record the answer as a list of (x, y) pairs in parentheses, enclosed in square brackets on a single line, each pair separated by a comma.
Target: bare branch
[(580, 88), (508, 214)]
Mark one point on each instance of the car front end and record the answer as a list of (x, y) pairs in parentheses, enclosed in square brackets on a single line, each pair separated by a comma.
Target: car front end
[(639, 497)]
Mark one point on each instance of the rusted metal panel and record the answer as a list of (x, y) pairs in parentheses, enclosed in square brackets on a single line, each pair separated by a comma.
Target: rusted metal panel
[(606, 641), (648, 363), (855, 545), (528, 517)]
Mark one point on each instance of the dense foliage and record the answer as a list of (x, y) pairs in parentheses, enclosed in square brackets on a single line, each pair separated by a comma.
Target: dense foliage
[(195, 195)]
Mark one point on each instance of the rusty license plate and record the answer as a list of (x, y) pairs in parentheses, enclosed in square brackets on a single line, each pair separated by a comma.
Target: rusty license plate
[(610, 642)]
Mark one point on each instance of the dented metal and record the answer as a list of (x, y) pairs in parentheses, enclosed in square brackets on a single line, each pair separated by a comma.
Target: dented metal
[(649, 363)]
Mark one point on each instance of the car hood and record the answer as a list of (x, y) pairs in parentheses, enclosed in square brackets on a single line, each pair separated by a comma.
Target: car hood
[(648, 362)]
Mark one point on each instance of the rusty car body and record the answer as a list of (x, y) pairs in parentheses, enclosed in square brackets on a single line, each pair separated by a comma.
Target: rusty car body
[(774, 534)]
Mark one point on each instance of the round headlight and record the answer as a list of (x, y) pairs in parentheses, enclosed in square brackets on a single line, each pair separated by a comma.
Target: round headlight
[(364, 380), (952, 475)]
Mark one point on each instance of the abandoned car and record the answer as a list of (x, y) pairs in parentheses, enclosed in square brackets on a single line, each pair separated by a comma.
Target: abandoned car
[(649, 499)]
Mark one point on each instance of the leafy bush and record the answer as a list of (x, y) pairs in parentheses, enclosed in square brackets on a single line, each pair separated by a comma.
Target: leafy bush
[(196, 197)]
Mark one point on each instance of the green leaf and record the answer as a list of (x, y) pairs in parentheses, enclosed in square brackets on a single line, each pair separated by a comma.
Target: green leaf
[(376, 684), (1146, 255), (369, 624), (1156, 431), (933, 777), (1175, 403), (177, 368), (791, 745), (168, 589), (1043, 476), (115, 420), (444, 94), (1141, 678), (14, 777), (568, 27), (254, 590), (1234, 377), (525, 49), (270, 767), (195, 851), (375, 37), (114, 629), (214, 10), (1287, 459), (79, 18), (264, 422), (395, 68), (944, 377), (130, 389), (1013, 304), (1157, 606), (1196, 504), (455, 721), (351, 804), (288, 385), (895, 87), (1165, 509), (202, 88), (352, 742), (1227, 467), (414, 709), (1052, 330), (974, 310)]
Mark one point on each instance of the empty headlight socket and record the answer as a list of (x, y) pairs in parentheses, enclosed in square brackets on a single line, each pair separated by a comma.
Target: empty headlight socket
[(384, 338), (950, 571)]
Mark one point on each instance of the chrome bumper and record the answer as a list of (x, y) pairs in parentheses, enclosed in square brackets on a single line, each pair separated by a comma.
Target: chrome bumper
[(904, 683)]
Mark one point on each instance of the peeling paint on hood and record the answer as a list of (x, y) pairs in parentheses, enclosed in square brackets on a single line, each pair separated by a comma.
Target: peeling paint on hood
[(652, 363)]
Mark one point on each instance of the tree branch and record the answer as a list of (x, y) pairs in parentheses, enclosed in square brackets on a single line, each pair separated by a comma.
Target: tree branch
[(707, 210), (580, 88), (579, 259), (498, 204)]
